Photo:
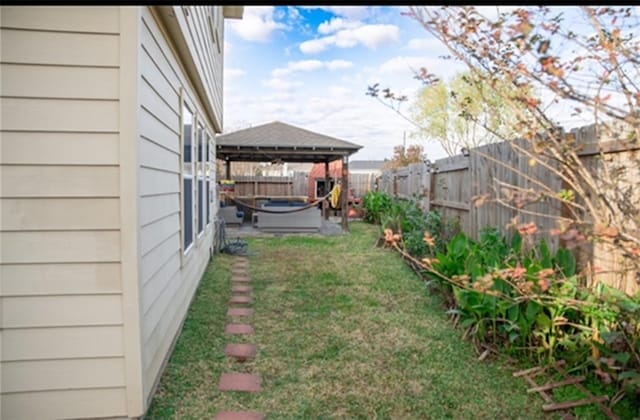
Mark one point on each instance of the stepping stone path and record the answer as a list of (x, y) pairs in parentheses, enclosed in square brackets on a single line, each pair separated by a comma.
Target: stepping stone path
[(240, 299), (240, 382), (240, 312), (246, 329), (239, 306), (241, 289), (241, 352)]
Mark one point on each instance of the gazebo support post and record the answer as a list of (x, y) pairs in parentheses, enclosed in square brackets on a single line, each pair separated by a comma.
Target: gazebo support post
[(325, 204), (345, 194), (228, 169)]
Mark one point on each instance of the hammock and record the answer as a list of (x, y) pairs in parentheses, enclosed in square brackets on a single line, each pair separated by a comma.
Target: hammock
[(301, 208)]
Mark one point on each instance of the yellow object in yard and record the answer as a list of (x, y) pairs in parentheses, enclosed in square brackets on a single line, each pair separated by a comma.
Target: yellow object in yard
[(335, 196)]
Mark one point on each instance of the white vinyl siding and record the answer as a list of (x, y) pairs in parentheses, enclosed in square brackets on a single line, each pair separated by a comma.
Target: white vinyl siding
[(61, 292), (199, 34), (91, 251), (169, 275)]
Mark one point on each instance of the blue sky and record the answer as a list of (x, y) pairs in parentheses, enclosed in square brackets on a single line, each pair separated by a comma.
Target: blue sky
[(310, 67)]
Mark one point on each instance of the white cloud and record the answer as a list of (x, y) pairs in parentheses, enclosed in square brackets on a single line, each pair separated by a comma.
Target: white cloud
[(311, 65), (336, 24), (233, 73), (316, 45), (305, 65), (424, 44), (404, 66), (493, 12), (370, 36), (339, 64), (293, 66), (257, 23), (404, 63), (280, 84), (339, 91)]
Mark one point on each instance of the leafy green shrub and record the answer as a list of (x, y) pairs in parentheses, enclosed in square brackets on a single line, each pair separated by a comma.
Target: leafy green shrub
[(376, 204), (406, 216), (532, 304)]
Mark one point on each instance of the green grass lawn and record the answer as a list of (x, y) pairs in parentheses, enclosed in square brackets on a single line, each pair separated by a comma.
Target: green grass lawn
[(345, 330)]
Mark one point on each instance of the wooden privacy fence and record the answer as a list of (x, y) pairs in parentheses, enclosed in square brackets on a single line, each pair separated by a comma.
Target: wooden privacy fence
[(295, 185), (361, 183), (448, 185)]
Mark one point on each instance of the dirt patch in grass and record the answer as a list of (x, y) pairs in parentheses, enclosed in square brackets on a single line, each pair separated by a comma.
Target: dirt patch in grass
[(345, 330)]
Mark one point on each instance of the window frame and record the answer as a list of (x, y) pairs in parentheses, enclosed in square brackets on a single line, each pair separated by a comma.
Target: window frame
[(186, 174), (200, 177)]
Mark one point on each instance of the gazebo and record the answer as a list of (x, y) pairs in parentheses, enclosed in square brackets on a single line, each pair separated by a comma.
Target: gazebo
[(280, 142)]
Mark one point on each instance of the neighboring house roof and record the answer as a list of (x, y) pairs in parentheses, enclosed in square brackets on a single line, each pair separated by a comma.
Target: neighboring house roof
[(366, 165), (280, 141)]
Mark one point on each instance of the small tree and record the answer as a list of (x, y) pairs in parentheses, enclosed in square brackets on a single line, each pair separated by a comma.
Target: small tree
[(404, 156), (455, 114)]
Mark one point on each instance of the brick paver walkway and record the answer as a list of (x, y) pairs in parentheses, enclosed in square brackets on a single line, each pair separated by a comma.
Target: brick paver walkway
[(241, 352), (240, 306), (240, 312), (240, 299)]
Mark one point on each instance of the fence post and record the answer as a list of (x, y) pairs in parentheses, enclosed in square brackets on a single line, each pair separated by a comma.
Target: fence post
[(394, 174), (426, 188)]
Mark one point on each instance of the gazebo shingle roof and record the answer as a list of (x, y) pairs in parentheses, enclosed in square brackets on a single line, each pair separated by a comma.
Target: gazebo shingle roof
[(281, 141)]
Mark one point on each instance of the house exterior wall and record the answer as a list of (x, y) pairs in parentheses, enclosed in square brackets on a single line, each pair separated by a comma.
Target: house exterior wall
[(61, 294), (94, 280), (204, 33), (168, 275)]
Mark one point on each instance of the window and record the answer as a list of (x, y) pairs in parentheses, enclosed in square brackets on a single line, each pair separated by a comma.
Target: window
[(187, 176), (202, 159)]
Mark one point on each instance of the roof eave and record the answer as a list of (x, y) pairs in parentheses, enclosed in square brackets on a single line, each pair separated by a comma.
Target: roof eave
[(232, 12)]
